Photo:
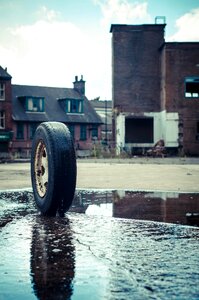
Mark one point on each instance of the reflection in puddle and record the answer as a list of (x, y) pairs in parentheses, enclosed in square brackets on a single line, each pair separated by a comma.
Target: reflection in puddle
[(80, 256), (103, 209), (52, 259), (169, 207)]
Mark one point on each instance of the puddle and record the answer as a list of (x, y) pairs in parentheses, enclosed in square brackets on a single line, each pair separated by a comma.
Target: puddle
[(110, 245), (169, 207)]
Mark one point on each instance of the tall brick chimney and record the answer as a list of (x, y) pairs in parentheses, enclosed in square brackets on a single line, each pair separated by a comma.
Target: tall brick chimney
[(79, 85)]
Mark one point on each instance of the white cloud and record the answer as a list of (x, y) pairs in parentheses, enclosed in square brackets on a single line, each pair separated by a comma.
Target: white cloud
[(47, 14), (123, 12), (51, 52), (44, 46), (187, 27)]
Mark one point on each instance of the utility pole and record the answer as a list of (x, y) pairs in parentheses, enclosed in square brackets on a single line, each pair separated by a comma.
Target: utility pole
[(106, 119)]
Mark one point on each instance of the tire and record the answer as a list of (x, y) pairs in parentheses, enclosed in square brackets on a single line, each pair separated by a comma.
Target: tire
[(53, 168)]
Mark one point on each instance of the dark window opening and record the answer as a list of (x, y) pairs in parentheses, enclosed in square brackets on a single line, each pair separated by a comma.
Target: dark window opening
[(197, 131), (95, 132), (192, 87), (4, 146), (198, 127), (20, 131), (139, 130), (83, 133)]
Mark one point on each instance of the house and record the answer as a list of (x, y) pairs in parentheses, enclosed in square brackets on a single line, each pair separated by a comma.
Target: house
[(104, 110), (32, 105), (5, 112), (155, 90)]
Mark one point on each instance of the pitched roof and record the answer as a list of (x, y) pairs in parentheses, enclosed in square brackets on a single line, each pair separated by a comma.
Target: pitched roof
[(53, 109), (101, 103), (4, 74)]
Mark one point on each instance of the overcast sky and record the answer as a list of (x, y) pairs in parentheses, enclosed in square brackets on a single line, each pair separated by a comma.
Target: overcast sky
[(49, 42)]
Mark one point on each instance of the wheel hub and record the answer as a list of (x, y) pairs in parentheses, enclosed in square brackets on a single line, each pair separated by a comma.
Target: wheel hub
[(41, 169)]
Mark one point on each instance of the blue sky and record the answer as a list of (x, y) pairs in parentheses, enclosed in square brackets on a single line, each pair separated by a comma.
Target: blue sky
[(49, 42)]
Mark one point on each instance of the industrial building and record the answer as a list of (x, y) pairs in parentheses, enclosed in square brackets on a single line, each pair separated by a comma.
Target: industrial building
[(155, 90)]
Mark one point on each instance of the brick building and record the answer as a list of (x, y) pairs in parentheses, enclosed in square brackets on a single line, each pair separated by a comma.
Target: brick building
[(23, 108), (5, 111), (104, 110), (155, 90)]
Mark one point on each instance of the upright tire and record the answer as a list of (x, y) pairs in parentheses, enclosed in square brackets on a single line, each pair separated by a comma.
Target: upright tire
[(53, 168)]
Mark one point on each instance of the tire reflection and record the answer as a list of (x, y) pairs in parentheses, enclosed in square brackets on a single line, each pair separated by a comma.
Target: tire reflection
[(52, 258)]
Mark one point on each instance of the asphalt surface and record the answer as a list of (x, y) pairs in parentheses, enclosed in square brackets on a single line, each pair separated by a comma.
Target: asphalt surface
[(110, 244), (181, 175)]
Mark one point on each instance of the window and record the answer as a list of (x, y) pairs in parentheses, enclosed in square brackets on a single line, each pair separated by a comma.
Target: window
[(32, 129), (94, 132), (34, 104), (74, 106), (72, 130), (2, 91), (197, 131), (139, 130), (20, 131), (83, 132), (192, 87), (2, 119)]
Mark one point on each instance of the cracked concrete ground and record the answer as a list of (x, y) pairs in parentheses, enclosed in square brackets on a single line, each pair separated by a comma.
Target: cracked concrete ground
[(85, 256), (180, 175)]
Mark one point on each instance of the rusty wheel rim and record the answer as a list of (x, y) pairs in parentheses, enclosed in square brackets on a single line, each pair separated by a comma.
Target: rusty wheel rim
[(41, 169)]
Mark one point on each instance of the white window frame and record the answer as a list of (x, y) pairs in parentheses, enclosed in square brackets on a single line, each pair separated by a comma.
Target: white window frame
[(2, 119), (2, 91), (35, 104)]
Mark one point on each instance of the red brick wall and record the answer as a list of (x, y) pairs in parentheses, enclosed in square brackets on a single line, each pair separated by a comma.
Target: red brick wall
[(181, 61), (7, 105), (146, 207), (136, 67), (24, 145)]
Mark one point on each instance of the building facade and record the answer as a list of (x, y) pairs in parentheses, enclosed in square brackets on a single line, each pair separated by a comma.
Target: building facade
[(6, 128), (155, 90), (104, 110), (25, 107)]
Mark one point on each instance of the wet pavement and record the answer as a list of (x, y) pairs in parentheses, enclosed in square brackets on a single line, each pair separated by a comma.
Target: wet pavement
[(110, 245)]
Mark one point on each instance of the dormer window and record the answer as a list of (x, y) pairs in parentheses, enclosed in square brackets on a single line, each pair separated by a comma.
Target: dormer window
[(34, 104), (2, 91), (74, 106)]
